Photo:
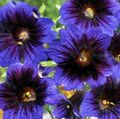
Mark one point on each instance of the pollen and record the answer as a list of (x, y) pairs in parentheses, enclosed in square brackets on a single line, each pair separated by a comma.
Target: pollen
[(68, 106), (24, 35), (84, 58), (106, 104), (28, 95), (117, 58), (20, 43), (89, 12)]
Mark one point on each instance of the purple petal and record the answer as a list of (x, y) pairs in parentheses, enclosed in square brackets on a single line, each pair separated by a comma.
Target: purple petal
[(32, 55), (109, 22), (17, 71), (95, 83), (61, 79), (87, 109)]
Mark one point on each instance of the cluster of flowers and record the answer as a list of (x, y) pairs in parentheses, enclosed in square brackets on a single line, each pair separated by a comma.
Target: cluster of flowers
[(87, 77)]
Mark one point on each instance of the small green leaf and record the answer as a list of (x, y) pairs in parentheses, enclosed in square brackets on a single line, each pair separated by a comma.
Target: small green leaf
[(48, 64), (2, 74), (51, 74), (42, 9)]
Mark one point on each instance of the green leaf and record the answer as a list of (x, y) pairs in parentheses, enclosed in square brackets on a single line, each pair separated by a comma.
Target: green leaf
[(48, 64), (2, 74), (3, 2), (42, 9), (51, 74)]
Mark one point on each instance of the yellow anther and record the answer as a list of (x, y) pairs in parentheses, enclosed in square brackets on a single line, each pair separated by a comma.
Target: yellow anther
[(84, 58), (112, 103), (106, 104), (28, 94), (89, 12), (117, 58), (68, 106), (23, 35), (20, 43)]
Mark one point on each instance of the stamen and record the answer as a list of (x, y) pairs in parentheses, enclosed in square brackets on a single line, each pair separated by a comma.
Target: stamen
[(85, 58), (20, 43), (82, 58), (28, 95), (117, 58), (68, 106), (106, 104), (23, 35), (89, 12)]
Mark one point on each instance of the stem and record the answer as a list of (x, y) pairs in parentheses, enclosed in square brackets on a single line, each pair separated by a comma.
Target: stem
[(49, 113)]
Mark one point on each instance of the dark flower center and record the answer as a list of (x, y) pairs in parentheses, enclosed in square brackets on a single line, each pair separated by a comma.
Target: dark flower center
[(84, 58), (104, 104), (89, 12), (28, 95), (21, 35)]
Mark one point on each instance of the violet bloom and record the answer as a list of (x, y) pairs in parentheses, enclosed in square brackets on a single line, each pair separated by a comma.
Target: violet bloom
[(68, 108), (103, 102), (24, 94), (90, 14), (114, 48), (22, 34), (81, 58)]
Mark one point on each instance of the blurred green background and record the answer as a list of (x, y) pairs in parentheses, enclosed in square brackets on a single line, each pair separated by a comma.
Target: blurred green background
[(47, 8)]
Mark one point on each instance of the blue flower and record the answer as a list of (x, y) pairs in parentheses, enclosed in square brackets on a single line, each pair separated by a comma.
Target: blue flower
[(114, 48), (24, 93), (22, 34), (103, 101), (68, 108), (90, 14), (81, 58)]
